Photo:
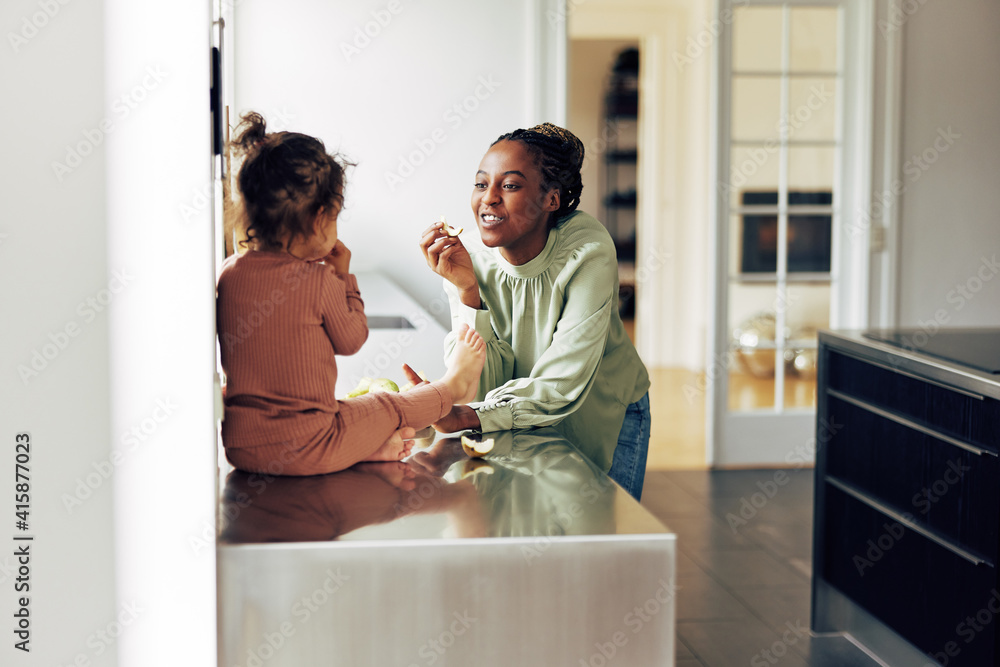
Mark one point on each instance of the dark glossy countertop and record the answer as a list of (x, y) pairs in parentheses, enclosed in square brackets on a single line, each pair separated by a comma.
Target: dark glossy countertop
[(534, 483)]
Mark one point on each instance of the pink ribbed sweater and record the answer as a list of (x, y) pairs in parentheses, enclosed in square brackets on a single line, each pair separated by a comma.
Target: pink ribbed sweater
[(281, 321)]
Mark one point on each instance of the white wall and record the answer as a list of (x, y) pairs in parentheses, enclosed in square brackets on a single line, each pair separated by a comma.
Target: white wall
[(52, 258), (105, 278), (950, 212), (383, 87), (673, 223)]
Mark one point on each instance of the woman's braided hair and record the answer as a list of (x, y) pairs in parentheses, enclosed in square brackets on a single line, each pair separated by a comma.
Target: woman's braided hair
[(284, 181), (558, 154)]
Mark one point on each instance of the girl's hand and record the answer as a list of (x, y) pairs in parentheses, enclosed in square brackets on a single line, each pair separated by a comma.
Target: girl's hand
[(340, 258), (413, 377), (448, 257)]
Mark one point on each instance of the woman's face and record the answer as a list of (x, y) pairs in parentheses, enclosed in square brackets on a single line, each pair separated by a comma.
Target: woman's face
[(510, 205)]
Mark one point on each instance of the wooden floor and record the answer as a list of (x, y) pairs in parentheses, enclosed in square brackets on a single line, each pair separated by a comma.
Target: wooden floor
[(677, 405)]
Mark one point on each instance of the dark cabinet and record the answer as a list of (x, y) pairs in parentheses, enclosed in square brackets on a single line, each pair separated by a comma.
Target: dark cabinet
[(907, 502)]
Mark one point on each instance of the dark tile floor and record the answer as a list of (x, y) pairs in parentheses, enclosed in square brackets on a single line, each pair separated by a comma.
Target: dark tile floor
[(744, 540)]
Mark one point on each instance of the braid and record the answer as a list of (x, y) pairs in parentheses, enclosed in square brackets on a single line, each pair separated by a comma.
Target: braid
[(558, 154)]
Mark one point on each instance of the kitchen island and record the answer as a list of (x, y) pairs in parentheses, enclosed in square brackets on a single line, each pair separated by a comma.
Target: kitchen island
[(907, 494), (530, 556)]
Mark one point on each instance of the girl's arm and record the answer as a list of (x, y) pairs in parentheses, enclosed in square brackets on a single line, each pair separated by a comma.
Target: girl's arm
[(343, 312)]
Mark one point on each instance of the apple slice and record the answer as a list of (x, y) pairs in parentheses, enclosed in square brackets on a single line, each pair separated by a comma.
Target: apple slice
[(476, 448), (448, 229), (475, 466)]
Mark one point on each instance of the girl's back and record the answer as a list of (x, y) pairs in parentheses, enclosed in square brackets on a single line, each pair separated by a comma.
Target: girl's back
[(281, 321)]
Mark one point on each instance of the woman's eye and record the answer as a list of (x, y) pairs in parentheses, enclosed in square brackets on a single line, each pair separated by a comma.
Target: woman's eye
[(479, 186), (510, 186)]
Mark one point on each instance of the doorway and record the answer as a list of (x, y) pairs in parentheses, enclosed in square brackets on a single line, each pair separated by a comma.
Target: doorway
[(789, 75)]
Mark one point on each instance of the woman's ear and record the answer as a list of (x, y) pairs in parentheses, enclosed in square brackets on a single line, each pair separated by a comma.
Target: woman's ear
[(552, 200)]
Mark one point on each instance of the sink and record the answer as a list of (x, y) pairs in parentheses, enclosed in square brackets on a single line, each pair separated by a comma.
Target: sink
[(389, 322)]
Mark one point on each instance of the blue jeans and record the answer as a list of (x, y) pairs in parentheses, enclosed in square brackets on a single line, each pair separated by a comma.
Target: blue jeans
[(628, 465)]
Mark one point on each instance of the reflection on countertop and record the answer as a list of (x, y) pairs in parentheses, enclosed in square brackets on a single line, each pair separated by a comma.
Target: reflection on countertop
[(533, 484)]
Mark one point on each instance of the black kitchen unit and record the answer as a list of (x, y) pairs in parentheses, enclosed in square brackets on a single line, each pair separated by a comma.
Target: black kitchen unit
[(907, 494)]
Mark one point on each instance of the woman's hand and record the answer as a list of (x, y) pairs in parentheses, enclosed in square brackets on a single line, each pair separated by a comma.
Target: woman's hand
[(460, 418), (340, 258), (448, 257)]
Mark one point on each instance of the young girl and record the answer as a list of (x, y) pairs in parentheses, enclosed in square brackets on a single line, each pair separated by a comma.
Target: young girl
[(288, 305)]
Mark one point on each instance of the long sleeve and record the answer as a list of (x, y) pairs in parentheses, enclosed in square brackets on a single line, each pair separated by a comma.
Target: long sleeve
[(343, 313), (561, 378), (499, 365)]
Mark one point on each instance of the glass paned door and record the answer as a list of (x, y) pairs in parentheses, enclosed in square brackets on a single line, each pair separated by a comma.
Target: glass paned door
[(781, 155)]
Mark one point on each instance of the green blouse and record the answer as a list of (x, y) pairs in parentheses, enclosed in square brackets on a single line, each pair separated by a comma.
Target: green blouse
[(557, 353)]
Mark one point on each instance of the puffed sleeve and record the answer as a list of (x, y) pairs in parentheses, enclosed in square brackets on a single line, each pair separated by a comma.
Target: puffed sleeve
[(499, 365), (561, 378), (343, 312)]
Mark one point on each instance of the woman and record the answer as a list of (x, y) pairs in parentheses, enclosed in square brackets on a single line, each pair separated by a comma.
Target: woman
[(544, 297)]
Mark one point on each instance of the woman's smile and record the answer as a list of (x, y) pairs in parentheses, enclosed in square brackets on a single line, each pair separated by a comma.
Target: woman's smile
[(490, 219)]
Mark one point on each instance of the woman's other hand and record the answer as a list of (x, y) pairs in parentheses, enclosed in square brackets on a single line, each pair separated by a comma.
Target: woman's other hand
[(340, 258), (448, 257), (460, 418)]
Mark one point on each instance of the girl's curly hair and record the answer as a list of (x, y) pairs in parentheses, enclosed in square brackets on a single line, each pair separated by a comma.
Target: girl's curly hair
[(285, 180)]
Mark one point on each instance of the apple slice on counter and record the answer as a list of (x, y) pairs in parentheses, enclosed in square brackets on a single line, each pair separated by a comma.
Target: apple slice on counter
[(477, 448)]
